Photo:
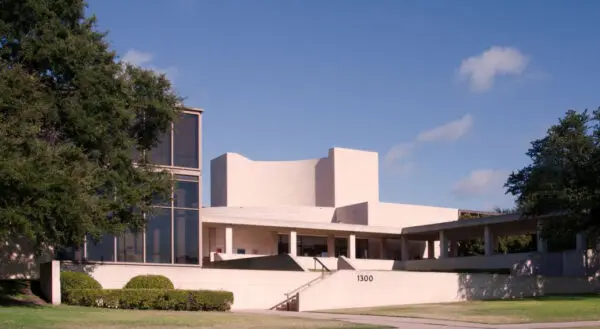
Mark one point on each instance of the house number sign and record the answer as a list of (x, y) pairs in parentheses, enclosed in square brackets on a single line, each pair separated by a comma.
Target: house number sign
[(364, 278)]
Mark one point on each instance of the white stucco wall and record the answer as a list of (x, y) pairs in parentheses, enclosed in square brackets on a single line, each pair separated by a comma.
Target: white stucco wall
[(345, 289), (405, 215), (342, 178), (251, 289), (284, 213)]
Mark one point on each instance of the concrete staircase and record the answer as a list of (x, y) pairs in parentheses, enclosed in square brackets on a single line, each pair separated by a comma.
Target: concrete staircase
[(290, 303)]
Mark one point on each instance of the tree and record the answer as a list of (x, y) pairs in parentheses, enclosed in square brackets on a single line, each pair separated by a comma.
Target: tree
[(506, 244), (71, 115), (514, 243), (563, 179)]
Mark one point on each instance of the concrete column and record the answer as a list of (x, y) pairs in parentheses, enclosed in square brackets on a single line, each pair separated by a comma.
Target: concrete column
[(352, 246), (542, 245), (430, 249), (443, 245), (50, 281), (488, 241), (293, 244), (580, 242), (331, 246), (404, 255), (382, 248), (229, 240)]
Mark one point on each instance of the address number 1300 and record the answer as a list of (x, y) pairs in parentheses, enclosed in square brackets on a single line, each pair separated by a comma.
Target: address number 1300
[(364, 278)]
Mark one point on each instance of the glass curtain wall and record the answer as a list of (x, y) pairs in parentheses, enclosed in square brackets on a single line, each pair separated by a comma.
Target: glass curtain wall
[(306, 245), (172, 233)]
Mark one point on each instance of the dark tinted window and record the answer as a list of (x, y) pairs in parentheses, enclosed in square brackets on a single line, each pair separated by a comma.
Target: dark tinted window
[(185, 142), (135, 154), (158, 237), (70, 253), (186, 194), (186, 237), (102, 250), (161, 154), (130, 247)]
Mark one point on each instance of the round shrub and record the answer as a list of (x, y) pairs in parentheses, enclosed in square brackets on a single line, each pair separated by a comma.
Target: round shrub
[(77, 280), (149, 282)]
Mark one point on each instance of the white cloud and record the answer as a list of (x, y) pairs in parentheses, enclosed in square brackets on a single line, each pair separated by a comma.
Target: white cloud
[(137, 58), (481, 70), (143, 59), (481, 182), (397, 159), (398, 152), (450, 131)]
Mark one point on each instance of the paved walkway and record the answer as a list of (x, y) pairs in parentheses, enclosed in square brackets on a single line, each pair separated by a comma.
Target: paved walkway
[(415, 323)]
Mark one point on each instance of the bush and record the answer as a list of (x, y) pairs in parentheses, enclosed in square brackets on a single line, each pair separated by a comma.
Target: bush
[(149, 282), (77, 280), (151, 299)]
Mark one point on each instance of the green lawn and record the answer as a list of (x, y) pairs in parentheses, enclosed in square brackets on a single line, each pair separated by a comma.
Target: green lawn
[(543, 309), (70, 317)]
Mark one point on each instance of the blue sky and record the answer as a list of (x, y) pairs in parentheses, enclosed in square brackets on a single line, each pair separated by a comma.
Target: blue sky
[(448, 92)]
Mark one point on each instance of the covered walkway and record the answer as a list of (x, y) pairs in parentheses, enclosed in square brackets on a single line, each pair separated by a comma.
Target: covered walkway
[(487, 228), (254, 237)]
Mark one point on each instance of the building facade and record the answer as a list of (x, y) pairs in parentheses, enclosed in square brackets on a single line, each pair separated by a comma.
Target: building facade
[(325, 207), (173, 231)]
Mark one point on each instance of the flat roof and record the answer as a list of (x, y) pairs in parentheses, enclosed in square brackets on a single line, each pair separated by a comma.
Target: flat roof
[(457, 224), (331, 227), (193, 109)]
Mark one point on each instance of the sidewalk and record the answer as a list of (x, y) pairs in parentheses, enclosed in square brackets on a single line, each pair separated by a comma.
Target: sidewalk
[(416, 323)]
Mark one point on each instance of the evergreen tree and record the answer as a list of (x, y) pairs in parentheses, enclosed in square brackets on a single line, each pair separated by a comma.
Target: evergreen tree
[(70, 116), (563, 179)]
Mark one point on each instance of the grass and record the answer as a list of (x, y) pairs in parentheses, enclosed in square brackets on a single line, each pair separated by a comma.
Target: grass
[(71, 317), (531, 310)]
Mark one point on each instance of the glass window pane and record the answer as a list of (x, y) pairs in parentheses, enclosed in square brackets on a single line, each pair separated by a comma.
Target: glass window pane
[(129, 247), (158, 201), (161, 154), (103, 250), (186, 195), (185, 142), (69, 253), (186, 237), (158, 237), (135, 153), (283, 244), (187, 177)]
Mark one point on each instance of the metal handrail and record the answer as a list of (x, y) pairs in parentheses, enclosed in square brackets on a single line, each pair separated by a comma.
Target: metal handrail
[(322, 265)]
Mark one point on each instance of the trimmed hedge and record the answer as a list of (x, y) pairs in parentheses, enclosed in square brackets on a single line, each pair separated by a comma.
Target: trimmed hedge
[(149, 282), (151, 299), (77, 280)]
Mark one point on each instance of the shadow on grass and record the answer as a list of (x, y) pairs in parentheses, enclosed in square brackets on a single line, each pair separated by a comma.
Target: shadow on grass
[(21, 293)]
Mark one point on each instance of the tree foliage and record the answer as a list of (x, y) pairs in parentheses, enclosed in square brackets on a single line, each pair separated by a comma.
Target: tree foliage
[(505, 244), (70, 116), (563, 179)]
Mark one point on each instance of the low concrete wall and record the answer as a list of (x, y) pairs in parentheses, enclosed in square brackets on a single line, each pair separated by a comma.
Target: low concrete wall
[(351, 289), (217, 257), (251, 289), (310, 264), (368, 264), (567, 263), (50, 281), (281, 262)]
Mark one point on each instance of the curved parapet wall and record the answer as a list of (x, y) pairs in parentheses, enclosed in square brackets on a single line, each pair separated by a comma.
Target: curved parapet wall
[(343, 177)]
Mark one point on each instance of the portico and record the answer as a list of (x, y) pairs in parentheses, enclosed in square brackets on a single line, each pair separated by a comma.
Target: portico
[(247, 237)]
